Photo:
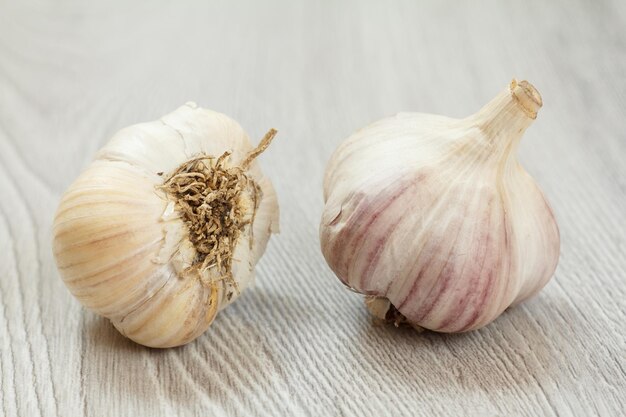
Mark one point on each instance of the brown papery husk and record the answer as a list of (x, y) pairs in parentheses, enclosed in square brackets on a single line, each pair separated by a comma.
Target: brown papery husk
[(208, 195)]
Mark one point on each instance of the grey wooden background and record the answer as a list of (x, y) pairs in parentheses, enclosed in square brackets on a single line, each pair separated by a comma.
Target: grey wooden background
[(72, 73)]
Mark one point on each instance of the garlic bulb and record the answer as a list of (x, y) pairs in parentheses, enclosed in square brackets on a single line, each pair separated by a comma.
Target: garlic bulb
[(165, 226), (435, 220)]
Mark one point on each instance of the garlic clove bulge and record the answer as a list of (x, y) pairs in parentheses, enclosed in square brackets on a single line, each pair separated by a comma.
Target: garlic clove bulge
[(165, 226), (436, 216)]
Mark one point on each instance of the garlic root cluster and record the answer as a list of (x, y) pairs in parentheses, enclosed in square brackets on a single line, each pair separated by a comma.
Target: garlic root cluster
[(165, 226), (435, 220)]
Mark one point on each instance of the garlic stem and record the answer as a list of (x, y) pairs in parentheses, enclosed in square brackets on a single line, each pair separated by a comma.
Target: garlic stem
[(505, 118), (527, 97)]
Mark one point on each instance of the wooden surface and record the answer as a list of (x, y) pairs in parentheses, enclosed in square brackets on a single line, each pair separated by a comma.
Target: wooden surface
[(298, 343)]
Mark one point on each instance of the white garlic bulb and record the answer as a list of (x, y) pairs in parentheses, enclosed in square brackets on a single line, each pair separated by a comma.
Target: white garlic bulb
[(435, 219), (165, 226)]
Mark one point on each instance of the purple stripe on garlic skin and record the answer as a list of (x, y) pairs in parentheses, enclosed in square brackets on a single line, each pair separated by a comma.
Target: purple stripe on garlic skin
[(437, 216)]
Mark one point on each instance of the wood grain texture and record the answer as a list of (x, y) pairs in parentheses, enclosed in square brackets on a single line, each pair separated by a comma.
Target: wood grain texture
[(73, 73)]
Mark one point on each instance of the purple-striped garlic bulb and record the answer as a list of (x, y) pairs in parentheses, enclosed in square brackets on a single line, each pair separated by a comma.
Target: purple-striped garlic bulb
[(435, 220)]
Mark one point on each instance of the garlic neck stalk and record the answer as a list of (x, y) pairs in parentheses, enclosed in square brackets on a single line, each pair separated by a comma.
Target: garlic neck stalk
[(506, 117)]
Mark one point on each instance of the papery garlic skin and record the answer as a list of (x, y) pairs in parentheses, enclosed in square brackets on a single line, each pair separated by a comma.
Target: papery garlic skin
[(437, 215), (121, 246)]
